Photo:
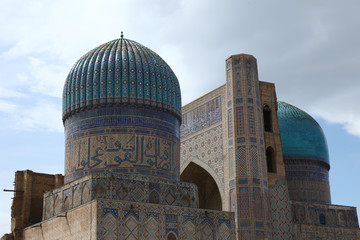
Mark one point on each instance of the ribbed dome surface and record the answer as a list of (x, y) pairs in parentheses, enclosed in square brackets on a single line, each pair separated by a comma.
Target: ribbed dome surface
[(121, 71), (301, 135)]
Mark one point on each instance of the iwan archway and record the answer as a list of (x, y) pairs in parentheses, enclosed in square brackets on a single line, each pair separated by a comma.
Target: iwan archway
[(209, 195)]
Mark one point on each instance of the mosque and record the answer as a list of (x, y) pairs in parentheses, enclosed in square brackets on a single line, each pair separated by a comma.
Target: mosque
[(234, 164)]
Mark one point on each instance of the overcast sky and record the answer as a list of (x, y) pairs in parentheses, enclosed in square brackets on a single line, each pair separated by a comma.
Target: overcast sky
[(309, 49)]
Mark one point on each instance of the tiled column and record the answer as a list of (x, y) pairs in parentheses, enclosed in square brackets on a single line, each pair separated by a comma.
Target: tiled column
[(246, 143)]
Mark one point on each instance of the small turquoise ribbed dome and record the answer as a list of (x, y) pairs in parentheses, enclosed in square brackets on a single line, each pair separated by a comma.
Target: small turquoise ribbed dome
[(301, 135), (121, 72)]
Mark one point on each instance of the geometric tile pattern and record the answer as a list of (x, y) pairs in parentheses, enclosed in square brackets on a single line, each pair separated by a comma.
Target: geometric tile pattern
[(240, 121), (254, 161), (151, 229), (207, 232), (241, 158), (125, 116), (304, 232), (258, 203), (189, 231), (109, 227), (237, 80), (282, 223), (243, 202), (169, 197), (133, 188), (150, 221), (208, 148), (131, 228), (230, 124), (201, 117), (251, 120), (224, 233), (252, 208), (137, 193), (324, 215), (121, 71)]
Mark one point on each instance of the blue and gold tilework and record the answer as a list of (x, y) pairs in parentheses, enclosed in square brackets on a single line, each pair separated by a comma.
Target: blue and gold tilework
[(121, 71), (124, 220), (120, 187), (301, 135), (133, 141)]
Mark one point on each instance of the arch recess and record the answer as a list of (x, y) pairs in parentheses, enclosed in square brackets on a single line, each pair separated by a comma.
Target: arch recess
[(270, 160), (267, 118), (208, 169), (210, 195)]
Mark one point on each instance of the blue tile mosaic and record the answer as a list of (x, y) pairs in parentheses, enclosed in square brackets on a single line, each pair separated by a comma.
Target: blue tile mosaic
[(201, 117), (110, 210), (301, 135), (121, 71)]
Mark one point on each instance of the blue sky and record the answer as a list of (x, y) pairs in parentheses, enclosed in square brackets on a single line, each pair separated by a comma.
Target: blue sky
[(309, 49)]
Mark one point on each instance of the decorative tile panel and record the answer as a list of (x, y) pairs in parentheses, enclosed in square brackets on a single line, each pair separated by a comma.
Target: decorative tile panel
[(121, 187), (159, 221), (208, 148), (201, 117), (281, 219), (122, 143)]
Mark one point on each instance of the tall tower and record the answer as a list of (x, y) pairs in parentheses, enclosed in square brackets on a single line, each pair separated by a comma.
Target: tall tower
[(246, 144)]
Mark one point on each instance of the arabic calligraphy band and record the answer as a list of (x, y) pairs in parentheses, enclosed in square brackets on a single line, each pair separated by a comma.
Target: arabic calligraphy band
[(137, 144)]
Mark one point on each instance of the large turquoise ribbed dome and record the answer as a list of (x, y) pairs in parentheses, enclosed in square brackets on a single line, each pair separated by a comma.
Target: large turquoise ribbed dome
[(301, 135), (121, 72)]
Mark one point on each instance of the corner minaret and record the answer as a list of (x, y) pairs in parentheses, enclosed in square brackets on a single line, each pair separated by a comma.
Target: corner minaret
[(246, 143)]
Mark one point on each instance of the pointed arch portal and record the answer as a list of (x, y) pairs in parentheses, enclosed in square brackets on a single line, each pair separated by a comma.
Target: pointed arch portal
[(209, 195)]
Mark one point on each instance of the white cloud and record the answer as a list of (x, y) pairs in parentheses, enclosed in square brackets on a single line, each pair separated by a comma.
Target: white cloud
[(341, 109), (48, 77), (11, 87), (309, 50), (44, 116), (6, 92), (7, 106)]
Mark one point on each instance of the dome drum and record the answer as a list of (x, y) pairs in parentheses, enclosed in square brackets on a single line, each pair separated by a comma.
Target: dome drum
[(308, 181), (122, 140)]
